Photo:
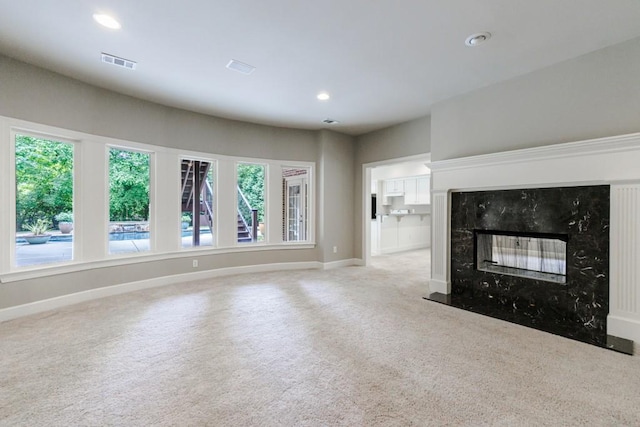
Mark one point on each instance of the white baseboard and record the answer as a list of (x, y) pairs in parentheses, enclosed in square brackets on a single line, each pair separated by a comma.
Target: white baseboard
[(387, 251), (440, 286), (78, 297), (341, 263), (624, 328)]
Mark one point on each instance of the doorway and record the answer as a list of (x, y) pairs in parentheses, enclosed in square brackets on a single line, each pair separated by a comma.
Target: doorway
[(395, 218)]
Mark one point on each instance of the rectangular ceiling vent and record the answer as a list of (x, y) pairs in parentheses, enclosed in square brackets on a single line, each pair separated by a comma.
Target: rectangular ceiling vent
[(240, 67), (120, 62)]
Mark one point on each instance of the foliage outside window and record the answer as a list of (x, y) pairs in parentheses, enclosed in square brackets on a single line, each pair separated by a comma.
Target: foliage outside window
[(128, 201), (44, 189), (251, 196)]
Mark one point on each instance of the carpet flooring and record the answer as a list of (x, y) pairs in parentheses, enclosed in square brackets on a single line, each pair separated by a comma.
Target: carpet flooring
[(354, 346)]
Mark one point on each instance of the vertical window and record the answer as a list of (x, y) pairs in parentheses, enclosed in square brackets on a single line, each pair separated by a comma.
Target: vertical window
[(250, 209), (128, 201), (197, 203), (295, 204), (44, 201)]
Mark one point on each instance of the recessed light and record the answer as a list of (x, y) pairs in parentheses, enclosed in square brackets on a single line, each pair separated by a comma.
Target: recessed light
[(476, 39), (323, 96), (106, 21)]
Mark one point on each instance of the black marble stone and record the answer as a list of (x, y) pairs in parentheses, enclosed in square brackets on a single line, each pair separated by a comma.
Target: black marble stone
[(621, 345), (438, 297), (576, 309)]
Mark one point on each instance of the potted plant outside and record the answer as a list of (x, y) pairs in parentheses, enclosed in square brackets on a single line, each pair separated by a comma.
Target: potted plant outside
[(38, 231), (65, 222), (186, 219)]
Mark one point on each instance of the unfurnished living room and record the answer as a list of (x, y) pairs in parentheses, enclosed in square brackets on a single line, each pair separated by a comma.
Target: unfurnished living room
[(202, 220)]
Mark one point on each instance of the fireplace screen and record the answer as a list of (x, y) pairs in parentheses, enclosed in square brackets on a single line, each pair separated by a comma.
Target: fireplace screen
[(533, 255)]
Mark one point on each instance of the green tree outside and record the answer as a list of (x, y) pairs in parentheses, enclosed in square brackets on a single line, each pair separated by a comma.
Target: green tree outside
[(128, 185), (44, 182), (251, 183), (44, 179)]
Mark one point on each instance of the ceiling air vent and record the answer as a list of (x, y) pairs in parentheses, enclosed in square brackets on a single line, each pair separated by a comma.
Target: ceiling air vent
[(330, 121), (120, 62), (240, 67)]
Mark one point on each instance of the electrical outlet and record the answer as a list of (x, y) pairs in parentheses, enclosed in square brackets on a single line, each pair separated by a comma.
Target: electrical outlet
[(195, 263), (335, 249)]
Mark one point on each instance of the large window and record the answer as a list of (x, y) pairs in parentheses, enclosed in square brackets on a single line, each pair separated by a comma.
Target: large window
[(197, 201), (251, 197), (44, 201), (76, 198), (295, 204), (128, 201)]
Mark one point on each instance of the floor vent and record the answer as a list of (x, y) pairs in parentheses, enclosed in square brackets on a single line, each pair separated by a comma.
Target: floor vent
[(120, 62)]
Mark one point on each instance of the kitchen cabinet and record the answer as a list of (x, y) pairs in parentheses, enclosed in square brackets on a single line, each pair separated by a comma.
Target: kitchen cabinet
[(416, 190), (410, 191), (394, 187), (423, 185), (397, 233)]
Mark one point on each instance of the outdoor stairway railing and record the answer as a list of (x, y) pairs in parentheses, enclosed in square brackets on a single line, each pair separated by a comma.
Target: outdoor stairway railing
[(247, 220)]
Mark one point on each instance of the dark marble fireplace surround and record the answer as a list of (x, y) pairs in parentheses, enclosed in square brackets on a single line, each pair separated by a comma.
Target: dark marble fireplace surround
[(576, 309)]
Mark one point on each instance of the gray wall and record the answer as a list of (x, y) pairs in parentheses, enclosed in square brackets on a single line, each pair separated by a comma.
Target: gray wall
[(336, 194), (403, 140), (591, 96), (406, 139), (33, 94)]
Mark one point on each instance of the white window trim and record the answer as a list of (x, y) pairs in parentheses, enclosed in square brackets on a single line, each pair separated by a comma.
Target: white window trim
[(216, 202), (76, 254), (89, 256)]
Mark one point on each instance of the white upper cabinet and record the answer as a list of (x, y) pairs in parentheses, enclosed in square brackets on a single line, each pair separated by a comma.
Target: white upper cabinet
[(410, 191), (416, 190), (394, 187), (423, 184)]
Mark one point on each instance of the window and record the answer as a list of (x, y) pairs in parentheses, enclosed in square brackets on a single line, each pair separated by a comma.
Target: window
[(128, 201), (295, 204), (251, 197), (44, 201), (97, 199), (197, 203)]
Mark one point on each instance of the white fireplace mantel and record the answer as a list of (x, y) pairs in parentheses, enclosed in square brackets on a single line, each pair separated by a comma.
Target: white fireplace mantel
[(613, 161)]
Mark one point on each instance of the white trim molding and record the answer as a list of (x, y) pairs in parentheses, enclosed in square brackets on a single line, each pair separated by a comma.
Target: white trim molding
[(440, 275), (613, 161), (107, 291)]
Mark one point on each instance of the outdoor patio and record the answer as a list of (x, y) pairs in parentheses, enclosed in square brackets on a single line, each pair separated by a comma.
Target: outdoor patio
[(60, 248)]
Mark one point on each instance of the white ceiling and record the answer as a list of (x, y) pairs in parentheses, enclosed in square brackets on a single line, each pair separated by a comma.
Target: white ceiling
[(383, 61)]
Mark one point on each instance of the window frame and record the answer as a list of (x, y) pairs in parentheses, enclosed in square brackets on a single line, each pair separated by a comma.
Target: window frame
[(216, 201), (310, 196), (265, 165), (76, 253), (134, 148), (91, 202)]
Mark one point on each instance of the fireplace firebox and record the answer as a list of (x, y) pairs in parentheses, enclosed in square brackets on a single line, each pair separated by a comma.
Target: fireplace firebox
[(541, 256)]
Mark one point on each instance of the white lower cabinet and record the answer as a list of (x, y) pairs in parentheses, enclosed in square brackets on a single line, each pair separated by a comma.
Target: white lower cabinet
[(403, 233)]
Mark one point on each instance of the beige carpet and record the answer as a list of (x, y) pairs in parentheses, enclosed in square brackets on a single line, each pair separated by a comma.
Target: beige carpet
[(354, 346)]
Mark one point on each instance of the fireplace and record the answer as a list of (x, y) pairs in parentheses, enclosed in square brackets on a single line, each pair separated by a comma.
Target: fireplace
[(536, 257)]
